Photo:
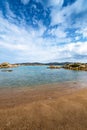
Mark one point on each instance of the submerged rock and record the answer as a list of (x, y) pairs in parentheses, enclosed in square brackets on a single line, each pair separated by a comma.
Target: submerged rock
[(6, 70)]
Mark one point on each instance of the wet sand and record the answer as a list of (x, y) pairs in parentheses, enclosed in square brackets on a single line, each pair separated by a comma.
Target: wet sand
[(61, 106)]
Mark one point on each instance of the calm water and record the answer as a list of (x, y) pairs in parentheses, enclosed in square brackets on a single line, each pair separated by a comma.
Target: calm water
[(36, 75)]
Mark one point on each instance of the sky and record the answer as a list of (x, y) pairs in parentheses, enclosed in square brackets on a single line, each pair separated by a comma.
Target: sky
[(43, 31)]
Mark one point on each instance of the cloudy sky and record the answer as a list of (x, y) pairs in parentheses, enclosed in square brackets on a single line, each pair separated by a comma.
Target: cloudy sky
[(43, 30)]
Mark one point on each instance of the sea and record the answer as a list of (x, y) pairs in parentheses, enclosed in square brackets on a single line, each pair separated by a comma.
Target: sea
[(32, 76)]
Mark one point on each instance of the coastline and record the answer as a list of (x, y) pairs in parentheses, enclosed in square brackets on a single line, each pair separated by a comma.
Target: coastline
[(59, 106)]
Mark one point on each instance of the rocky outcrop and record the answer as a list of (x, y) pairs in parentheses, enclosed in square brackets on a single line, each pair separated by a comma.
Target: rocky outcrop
[(54, 67), (76, 66), (7, 65)]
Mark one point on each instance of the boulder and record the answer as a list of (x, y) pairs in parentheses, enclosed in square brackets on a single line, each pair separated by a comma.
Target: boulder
[(7, 65), (76, 66)]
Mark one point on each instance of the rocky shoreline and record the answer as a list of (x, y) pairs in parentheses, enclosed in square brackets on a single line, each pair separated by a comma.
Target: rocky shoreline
[(70, 66), (76, 66)]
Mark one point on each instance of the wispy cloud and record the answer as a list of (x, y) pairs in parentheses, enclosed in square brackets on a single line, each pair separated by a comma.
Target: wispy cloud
[(56, 42), (25, 1)]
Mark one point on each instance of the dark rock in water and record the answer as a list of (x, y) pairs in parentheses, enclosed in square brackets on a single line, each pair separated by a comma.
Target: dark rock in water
[(6, 70)]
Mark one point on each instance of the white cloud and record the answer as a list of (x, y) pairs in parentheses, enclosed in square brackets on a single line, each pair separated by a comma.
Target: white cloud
[(55, 3), (10, 14), (58, 32), (80, 6), (25, 1), (29, 45), (79, 48), (63, 15), (77, 38), (82, 31)]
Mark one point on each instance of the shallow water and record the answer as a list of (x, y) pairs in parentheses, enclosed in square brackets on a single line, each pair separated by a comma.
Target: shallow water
[(37, 75)]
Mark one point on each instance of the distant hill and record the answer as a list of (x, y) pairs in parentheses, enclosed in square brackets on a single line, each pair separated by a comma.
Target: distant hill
[(38, 63)]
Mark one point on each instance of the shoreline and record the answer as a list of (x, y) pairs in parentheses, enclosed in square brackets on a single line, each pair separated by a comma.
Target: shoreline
[(16, 96)]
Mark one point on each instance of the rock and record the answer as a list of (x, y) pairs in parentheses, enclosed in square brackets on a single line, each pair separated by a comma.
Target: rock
[(7, 65), (54, 67), (6, 70), (76, 66)]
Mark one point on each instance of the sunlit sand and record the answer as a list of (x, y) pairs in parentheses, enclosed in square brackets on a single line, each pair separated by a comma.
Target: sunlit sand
[(47, 107)]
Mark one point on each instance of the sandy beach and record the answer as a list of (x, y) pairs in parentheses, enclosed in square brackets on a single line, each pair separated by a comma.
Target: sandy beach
[(61, 106)]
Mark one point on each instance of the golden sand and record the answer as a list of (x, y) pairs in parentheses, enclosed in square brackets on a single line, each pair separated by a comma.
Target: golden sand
[(47, 107)]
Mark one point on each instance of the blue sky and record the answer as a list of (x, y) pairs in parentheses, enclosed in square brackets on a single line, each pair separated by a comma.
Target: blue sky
[(43, 31)]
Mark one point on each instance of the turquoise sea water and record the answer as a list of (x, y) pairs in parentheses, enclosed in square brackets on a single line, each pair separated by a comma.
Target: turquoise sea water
[(37, 75)]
